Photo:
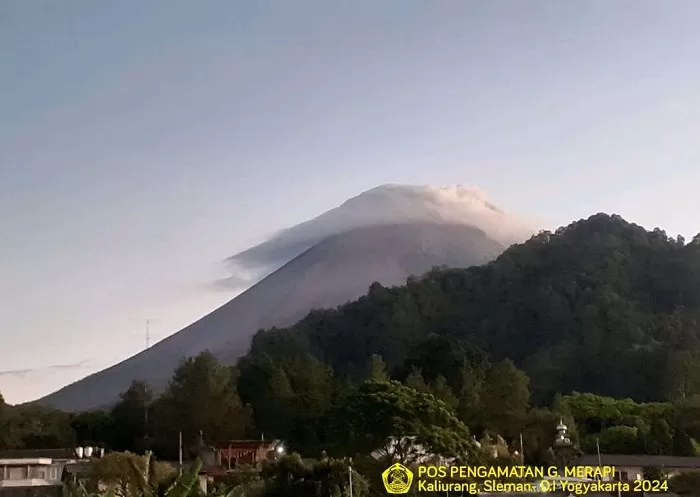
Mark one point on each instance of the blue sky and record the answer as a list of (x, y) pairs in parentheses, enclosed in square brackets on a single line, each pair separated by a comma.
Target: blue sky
[(141, 143)]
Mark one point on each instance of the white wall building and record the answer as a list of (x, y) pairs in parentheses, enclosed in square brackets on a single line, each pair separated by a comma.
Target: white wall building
[(36, 473)]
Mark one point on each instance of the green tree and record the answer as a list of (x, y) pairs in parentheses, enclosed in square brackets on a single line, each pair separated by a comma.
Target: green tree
[(683, 444), (130, 417), (313, 385), (683, 375), (505, 399), (686, 483), (686, 415), (594, 413), (376, 368), (442, 391), (93, 428), (10, 436), (402, 421), (659, 438), (445, 356), (42, 427), (621, 440), (653, 473), (290, 476), (538, 435), (201, 398), (301, 387), (415, 380), (123, 474), (471, 384)]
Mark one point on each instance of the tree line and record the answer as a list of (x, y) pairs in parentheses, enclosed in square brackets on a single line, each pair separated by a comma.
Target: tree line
[(316, 411), (601, 306)]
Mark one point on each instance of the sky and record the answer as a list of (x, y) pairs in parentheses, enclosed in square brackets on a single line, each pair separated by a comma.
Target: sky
[(143, 143)]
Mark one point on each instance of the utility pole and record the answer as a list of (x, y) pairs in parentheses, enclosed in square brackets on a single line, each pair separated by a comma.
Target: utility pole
[(180, 450), (145, 419), (522, 452), (149, 322)]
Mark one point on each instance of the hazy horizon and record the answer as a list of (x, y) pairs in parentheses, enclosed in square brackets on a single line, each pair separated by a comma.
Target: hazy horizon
[(143, 144)]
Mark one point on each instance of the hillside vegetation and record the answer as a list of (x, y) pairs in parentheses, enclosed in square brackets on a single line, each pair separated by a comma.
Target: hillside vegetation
[(601, 305), (335, 270)]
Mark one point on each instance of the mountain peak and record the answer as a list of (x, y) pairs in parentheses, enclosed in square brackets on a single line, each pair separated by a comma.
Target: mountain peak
[(459, 189), (439, 194), (386, 204), (383, 235), (453, 204)]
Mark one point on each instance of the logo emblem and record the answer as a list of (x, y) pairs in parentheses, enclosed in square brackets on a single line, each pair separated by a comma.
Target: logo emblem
[(397, 479)]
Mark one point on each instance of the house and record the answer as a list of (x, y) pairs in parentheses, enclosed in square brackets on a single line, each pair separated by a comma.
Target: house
[(34, 473), (631, 467), (227, 454), (219, 458)]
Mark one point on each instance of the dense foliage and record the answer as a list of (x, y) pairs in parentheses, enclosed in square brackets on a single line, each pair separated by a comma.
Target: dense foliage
[(491, 352), (601, 305)]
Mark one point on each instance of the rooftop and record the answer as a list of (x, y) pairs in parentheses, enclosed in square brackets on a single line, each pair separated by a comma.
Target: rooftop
[(37, 454), (252, 444), (622, 460)]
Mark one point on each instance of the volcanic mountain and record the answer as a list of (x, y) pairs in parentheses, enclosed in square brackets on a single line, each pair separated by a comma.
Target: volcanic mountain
[(384, 235)]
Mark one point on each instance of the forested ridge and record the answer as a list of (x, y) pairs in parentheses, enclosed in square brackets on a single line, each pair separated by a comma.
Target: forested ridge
[(601, 306)]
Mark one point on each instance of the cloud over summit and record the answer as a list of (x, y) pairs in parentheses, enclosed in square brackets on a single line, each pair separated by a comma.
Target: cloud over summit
[(385, 204)]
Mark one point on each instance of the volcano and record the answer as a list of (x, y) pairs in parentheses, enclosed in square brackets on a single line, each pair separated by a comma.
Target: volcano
[(383, 235)]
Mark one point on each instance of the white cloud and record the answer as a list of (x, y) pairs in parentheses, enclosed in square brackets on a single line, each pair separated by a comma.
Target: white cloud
[(386, 204), (15, 383)]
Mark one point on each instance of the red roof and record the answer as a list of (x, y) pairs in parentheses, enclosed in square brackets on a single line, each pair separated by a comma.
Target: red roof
[(247, 444)]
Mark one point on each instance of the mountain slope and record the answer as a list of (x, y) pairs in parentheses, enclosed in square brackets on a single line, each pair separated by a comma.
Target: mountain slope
[(333, 271), (599, 306), (386, 204)]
